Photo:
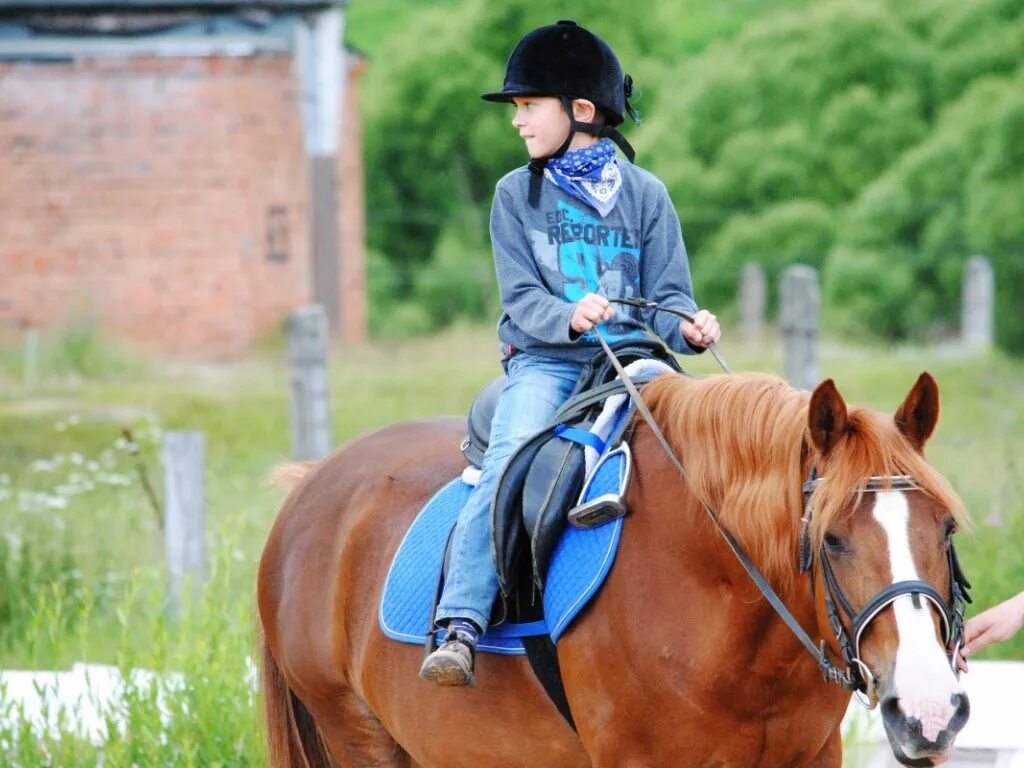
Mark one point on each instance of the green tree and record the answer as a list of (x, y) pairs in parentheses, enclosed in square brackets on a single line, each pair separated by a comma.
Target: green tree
[(958, 192)]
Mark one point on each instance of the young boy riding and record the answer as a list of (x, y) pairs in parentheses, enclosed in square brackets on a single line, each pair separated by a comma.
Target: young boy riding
[(571, 230)]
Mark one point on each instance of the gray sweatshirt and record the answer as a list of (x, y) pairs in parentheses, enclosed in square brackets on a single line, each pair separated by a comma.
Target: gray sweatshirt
[(548, 258)]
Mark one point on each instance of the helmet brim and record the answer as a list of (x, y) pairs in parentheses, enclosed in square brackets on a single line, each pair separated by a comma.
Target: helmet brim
[(506, 95)]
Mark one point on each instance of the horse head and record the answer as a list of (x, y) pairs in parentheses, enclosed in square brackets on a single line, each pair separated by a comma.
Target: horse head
[(885, 576)]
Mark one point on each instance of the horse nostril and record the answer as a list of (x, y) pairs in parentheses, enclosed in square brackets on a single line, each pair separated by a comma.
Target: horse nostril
[(962, 708), (890, 707)]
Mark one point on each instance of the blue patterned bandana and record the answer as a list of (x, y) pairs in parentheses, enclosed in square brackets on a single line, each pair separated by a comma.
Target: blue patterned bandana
[(590, 174)]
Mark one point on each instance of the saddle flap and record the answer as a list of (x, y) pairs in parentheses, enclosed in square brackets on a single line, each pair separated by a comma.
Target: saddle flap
[(552, 487), (506, 517)]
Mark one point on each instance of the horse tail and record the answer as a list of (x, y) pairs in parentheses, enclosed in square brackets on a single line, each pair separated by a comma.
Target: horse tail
[(288, 475), (293, 740)]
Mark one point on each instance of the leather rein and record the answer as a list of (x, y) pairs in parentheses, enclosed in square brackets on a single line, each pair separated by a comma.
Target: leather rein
[(856, 676)]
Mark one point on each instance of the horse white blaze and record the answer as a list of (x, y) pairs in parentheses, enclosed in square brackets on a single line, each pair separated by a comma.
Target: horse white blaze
[(922, 679)]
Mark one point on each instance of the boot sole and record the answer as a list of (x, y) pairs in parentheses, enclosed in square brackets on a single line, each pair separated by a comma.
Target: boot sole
[(448, 673)]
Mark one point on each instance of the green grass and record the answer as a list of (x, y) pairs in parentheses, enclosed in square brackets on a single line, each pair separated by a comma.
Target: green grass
[(80, 544), (202, 675)]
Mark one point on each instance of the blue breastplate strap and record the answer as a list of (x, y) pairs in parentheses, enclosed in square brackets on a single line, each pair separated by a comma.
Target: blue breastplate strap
[(580, 436)]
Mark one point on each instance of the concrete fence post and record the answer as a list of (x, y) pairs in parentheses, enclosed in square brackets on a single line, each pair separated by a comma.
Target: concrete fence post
[(752, 300), (31, 359), (799, 306), (307, 357), (184, 512), (978, 303)]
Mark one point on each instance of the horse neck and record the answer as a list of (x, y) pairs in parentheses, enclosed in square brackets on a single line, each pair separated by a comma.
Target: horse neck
[(706, 603), (753, 491)]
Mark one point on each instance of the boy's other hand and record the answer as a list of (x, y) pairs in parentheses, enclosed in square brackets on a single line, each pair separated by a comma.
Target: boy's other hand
[(702, 331), (590, 310)]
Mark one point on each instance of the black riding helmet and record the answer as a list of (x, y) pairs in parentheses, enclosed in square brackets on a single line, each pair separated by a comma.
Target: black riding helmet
[(569, 62)]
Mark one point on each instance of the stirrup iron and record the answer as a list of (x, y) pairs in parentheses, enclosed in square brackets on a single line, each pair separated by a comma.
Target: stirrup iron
[(607, 506)]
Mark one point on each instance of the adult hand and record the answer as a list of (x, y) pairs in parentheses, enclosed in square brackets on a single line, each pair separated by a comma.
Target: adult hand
[(995, 625), (590, 310), (702, 331)]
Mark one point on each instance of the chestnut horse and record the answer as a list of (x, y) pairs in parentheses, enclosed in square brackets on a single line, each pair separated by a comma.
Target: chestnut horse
[(679, 660)]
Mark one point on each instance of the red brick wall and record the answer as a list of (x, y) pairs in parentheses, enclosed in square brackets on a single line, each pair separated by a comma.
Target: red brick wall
[(136, 191)]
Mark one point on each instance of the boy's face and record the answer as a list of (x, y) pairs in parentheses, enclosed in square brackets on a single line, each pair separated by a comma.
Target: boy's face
[(541, 122)]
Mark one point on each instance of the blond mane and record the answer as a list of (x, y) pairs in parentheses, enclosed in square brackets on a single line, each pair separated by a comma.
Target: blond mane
[(745, 444)]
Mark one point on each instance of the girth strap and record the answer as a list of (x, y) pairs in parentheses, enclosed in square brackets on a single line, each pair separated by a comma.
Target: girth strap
[(543, 658)]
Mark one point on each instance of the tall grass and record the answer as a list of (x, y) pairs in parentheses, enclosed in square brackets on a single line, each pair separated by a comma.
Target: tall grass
[(197, 708)]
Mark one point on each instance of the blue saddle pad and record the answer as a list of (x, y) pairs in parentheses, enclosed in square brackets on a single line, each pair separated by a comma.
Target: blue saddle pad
[(579, 566)]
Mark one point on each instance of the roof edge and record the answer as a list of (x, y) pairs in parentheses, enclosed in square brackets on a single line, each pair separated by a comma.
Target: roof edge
[(108, 6)]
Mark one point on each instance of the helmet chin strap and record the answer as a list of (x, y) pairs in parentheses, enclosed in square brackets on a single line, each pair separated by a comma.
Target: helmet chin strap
[(538, 164)]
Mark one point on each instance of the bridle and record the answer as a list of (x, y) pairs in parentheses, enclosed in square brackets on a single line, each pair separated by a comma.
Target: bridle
[(858, 677)]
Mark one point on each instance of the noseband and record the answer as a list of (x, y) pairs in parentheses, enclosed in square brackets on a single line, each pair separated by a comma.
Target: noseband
[(857, 676)]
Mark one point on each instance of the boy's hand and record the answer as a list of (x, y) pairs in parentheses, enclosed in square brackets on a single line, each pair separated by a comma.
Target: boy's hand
[(590, 310), (702, 331)]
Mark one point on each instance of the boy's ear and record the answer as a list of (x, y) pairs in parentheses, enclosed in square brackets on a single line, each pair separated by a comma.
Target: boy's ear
[(584, 110)]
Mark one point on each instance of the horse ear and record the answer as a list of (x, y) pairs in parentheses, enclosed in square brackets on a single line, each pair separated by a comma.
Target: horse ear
[(826, 417), (919, 414)]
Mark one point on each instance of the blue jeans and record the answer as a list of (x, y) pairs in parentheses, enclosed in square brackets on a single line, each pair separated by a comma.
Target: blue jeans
[(536, 388)]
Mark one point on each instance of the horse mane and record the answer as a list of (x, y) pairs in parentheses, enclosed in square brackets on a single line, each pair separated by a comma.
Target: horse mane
[(745, 444)]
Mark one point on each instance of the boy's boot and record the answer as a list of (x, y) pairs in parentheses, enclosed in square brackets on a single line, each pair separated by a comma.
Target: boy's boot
[(452, 663)]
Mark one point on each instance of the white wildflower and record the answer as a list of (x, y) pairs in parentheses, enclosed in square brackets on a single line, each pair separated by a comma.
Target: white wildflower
[(112, 478), (29, 501)]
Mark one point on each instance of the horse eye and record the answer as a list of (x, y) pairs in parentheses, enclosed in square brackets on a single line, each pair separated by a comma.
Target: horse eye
[(951, 528), (834, 543)]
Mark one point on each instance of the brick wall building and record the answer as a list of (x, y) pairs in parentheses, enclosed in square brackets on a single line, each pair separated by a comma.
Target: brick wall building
[(164, 170)]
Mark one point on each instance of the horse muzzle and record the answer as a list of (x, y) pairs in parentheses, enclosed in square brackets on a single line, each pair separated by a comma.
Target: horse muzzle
[(925, 738)]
